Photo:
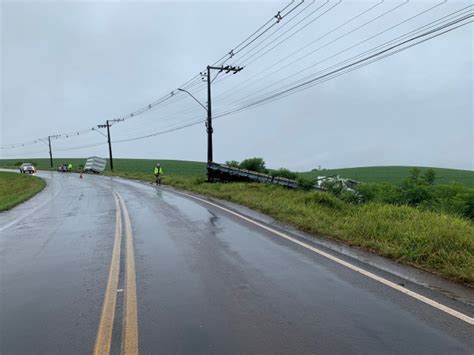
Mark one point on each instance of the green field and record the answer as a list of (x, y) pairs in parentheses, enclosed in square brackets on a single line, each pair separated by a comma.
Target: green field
[(170, 167), (395, 174), (392, 174), (16, 188)]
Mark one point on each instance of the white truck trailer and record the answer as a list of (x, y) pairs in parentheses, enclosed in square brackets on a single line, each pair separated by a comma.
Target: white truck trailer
[(95, 165)]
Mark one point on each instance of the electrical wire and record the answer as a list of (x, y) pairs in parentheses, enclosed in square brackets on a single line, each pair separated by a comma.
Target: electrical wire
[(196, 79), (431, 34), (340, 52), (360, 63), (365, 58), (327, 33)]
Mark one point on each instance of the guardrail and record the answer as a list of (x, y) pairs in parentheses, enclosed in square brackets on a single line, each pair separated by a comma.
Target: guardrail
[(223, 172)]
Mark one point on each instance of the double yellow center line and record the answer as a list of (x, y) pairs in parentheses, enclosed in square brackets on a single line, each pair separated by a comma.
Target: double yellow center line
[(130, 322)]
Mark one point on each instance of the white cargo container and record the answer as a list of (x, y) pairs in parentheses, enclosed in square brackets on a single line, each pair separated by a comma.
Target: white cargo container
[(95, 165)]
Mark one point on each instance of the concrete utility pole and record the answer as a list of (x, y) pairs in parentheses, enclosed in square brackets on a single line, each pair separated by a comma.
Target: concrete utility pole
[(108, 125), (209, 128), (50, 152)]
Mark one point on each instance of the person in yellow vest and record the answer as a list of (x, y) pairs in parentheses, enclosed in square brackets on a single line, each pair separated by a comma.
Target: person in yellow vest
[(69, 167), (158, 173)]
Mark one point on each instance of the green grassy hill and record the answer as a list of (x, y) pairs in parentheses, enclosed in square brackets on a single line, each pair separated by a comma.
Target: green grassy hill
[(171, 167), (393, 174)]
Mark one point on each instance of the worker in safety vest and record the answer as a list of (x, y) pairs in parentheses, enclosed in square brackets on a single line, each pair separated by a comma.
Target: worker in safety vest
[(158, 173), (69, 167)]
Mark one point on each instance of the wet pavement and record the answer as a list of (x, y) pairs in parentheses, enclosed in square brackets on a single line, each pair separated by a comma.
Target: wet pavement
[(206, 282)]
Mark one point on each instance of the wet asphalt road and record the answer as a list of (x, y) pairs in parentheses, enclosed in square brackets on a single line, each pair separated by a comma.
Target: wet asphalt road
[(206, 282)]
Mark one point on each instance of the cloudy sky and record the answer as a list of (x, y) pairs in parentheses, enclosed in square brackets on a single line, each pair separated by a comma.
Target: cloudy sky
[(68, 66)]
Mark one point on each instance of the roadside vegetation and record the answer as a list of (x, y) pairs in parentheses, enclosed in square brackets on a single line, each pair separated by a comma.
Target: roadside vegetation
[(438, 242), (420, 191), (395, 174), (17, 188)]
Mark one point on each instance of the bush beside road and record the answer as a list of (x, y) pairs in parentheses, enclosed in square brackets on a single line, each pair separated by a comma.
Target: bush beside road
[(16, 188)]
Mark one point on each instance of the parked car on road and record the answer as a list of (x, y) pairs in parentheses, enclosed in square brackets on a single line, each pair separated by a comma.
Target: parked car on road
[(27, 168)]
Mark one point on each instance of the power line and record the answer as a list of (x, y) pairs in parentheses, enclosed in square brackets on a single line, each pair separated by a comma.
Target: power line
[(162, 131), (342, 51), (246, 57), (341, 71), (279, 28), (359, 63), (193, 81), (379, 52), (327, 33), (288, 30), (279, 17), (250, 83)]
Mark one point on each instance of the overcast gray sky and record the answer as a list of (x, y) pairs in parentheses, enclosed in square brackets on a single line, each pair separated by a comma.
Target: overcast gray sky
[(68, 66)]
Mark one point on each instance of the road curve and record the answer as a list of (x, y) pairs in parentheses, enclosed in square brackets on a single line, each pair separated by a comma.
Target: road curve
[(104, 264)]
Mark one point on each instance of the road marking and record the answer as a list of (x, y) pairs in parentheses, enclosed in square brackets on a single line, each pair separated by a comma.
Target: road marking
[(364, 272), (130, 320), (104, 332)]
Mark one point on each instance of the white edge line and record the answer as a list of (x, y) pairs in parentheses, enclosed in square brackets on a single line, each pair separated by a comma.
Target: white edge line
[(366, 273)]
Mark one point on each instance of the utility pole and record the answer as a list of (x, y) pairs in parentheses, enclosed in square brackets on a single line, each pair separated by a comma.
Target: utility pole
[(50, 152), (209, 117), (209, 128), (108, 125), (110, 147)]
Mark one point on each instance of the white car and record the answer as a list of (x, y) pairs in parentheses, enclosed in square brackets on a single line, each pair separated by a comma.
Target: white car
[(27, 168)]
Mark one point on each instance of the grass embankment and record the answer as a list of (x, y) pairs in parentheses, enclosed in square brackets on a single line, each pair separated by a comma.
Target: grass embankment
[(437, 242), (17, 188)]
